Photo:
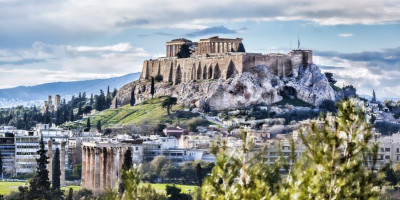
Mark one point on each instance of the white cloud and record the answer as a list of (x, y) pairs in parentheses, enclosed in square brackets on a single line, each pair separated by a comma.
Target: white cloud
[(345, 35), (105, 16), (44, 63)]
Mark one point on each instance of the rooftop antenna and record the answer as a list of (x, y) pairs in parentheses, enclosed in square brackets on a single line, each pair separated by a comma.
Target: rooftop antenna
[(298, 42), (290, 45)]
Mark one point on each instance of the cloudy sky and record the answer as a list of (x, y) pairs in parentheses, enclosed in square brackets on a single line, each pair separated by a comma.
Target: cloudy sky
[(52, 40)]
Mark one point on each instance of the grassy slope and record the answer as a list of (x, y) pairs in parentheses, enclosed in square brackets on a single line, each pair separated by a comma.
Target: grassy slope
[(150, 111)]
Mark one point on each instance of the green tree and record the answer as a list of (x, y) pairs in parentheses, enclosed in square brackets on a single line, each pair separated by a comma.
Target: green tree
[(199, 174), (152, 90), (134, 190), (40, 185), (159, 78), (126, 165), (56, 171), (70, 194), (88, 124), (98, 126), (168, 103), (339, 160), (329, 76), (242, 173), (174, 193), (133, 100), (373, 96), (241, 48), (184, 51), (158, 163)]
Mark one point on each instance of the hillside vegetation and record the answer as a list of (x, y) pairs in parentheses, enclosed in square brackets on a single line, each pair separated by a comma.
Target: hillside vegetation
[(150, 111)]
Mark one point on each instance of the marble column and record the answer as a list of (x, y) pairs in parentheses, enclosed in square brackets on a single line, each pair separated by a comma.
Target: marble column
[(120, 162), (97, 169), (50, 155), (62, 164), (109, 169), (115, 169), (103, 178), (92, 163), (83, 172), (88, 167)]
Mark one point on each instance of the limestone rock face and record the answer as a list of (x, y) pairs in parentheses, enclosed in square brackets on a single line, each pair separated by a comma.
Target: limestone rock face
[(259, 85)]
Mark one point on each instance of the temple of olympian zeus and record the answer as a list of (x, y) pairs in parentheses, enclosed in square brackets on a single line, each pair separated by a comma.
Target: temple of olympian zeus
[(102, 162)]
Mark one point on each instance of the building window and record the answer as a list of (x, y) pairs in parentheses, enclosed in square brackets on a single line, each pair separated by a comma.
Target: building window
[(387, 157), (387, 149), (136, 148), (397, 150)]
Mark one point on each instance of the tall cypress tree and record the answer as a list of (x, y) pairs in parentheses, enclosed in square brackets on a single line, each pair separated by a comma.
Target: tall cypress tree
[(127, 164), (98, 126), (88, 124), (373, 96), (152, 90), (70, 194), (41, 181), (56, 171), (199, 174)]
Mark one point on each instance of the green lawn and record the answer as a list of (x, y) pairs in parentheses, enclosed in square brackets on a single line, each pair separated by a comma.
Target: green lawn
[(7, 187), (160, 187)]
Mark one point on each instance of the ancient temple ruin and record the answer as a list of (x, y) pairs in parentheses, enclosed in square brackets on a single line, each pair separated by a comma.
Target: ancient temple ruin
[(215, 58), (102, 162)]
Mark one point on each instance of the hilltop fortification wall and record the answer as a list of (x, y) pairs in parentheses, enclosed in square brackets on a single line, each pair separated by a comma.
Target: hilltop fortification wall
[(215, 66)]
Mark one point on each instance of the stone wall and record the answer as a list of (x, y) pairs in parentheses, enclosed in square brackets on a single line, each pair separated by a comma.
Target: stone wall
[(215, 66)]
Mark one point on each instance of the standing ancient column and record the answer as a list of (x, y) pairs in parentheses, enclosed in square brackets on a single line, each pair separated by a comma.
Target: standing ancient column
[(92, 168), (83, 169), (97, 169), (88, 166), (62, 164), (115, 170), (101, 169), (109, 169), (103, 178), (50, 155)]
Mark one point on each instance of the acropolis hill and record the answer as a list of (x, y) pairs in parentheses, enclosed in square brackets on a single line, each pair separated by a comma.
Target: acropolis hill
[(215, 58), (216, 73)]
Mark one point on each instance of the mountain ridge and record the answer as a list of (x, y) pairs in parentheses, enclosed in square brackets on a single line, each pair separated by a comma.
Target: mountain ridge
[(35, 95)]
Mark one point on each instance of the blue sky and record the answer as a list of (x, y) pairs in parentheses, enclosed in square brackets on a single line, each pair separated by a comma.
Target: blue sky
[(46, 40)]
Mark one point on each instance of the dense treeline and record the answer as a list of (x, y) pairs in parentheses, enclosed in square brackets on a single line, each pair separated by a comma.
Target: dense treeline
[(27, 117)]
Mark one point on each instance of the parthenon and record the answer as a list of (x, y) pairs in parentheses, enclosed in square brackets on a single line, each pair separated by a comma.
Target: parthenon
[(222, 63), (102, 162)]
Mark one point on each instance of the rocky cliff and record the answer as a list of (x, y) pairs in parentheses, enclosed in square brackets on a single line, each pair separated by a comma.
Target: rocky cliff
[(259, 85)]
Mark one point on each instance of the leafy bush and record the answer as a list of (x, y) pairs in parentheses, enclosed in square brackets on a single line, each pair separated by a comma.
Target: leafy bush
[(328, 106), (387, 128), (195, 122)]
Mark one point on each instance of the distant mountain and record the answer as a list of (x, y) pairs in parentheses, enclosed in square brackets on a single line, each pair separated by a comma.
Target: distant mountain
[(35, 95)]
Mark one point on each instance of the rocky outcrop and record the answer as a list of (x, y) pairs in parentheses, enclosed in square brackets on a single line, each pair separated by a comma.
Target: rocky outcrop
[(259, 85)]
